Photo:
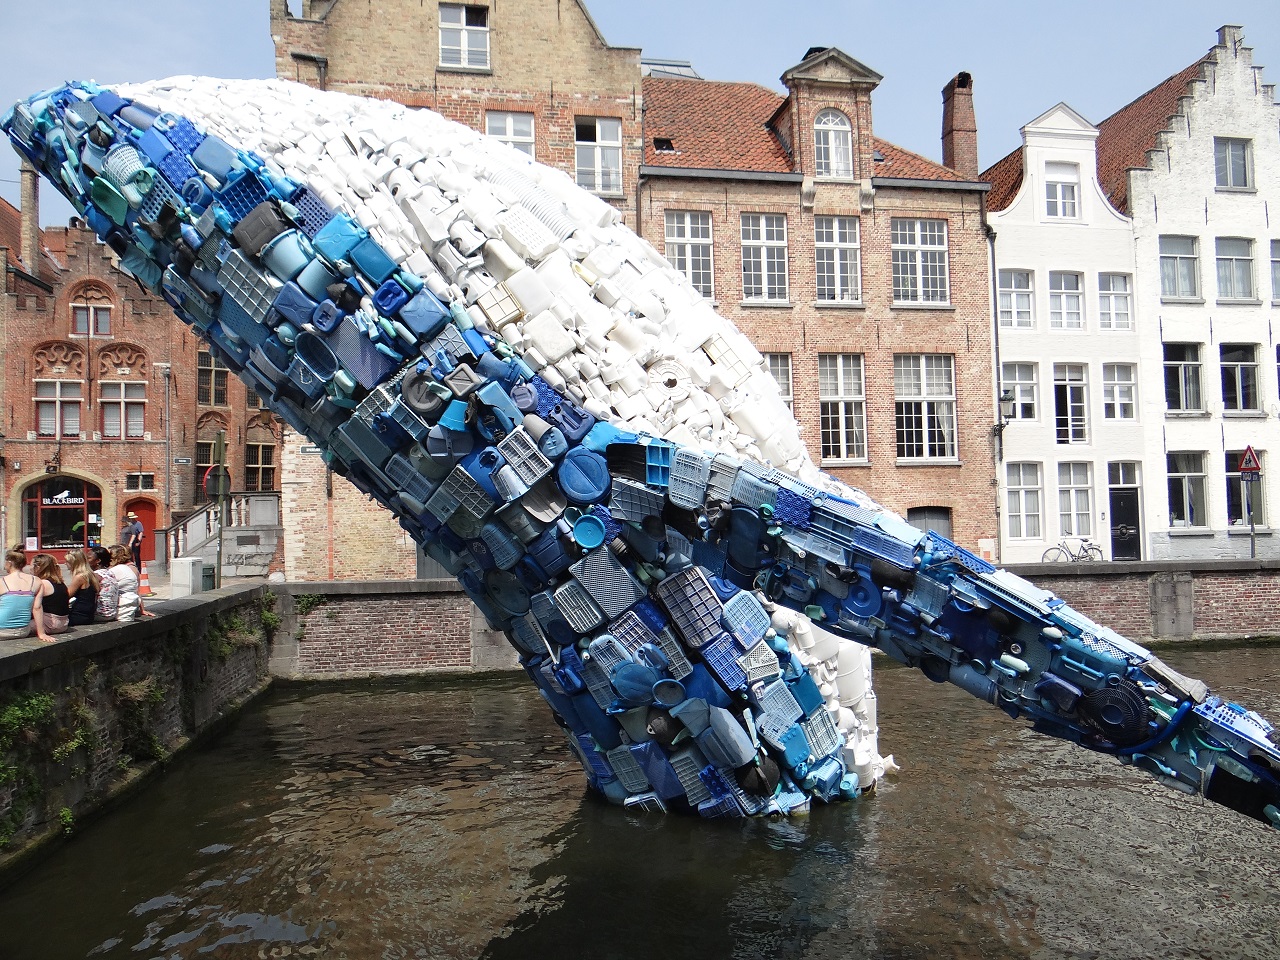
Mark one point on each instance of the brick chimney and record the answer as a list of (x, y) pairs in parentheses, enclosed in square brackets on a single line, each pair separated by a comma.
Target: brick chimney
[(959, 127), (30, 199)]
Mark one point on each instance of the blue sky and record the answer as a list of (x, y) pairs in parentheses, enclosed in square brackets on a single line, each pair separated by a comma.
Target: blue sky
[(1025, 56)]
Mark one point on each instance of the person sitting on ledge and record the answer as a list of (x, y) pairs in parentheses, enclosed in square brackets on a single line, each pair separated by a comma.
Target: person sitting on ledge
[(126, 578), (54, 597), (108, 605), (21, 612), (83, 588)]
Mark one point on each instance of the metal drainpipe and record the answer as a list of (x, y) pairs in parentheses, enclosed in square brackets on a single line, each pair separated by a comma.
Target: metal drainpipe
[(997, 437)]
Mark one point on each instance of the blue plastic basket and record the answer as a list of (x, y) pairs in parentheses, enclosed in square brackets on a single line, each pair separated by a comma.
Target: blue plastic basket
[(745, 618), (504, 548), (787, 739), (752, 490), (254, 289), (359, 356), (694, 607), (184, 135), (792, 509), (243, 191), (657, 462), (401, 472), (627, 770), (235, 321), (633, 501), (689, 473), (657, 770), (822, 733), (597, 680), (523, 456), (721, 656), (773, 698), (313, 213), (720, 477), (760, 662), (610, 584), (577, 607), (595, 762), (176, 169), (688, 764)]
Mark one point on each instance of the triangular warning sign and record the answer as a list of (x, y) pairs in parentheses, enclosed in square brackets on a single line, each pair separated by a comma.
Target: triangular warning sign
[(1249, 462)]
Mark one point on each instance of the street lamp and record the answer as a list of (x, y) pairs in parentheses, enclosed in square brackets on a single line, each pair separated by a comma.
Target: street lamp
[(1007, 405)]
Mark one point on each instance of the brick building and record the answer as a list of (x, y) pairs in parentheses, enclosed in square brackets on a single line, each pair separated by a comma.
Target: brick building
[(860, 269), (108, 402), (1155, 412)]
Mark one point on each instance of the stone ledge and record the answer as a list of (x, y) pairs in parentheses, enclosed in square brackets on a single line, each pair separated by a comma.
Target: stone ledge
[(1121, 568)]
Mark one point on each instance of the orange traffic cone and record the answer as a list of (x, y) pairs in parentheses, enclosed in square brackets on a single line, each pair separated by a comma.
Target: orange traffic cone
[(144, 582)]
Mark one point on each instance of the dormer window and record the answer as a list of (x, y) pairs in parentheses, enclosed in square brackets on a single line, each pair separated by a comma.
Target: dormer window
[(1062, 191), (833, 145), (663, 145)]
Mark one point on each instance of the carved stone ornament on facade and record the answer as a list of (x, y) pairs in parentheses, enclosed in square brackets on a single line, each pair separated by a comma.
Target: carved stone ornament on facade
[(58, 358)]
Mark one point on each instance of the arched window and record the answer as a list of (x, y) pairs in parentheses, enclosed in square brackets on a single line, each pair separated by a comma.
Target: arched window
[(833, 144)]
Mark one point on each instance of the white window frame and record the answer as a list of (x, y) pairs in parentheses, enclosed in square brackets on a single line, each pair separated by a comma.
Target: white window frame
[(1189, 375), (1235, 268), (1233, 163), (599, 159), (1187, 489), (764, 257), (1119, 391), (1066, 300), (1236, 513), (126, 400), (837, 245), (1275, 271), (83, 313), (139, 481), (832, 145), (63, 400), (1071, 402), (1017, 299), (1024, 501), (924, 393), (504, 125), (1062, 191), (920, 261), (457, 33), (1179, 269), (842, 407), (689, 247), (1240, 377), (779, 366), (1075, 499), (1021, 379), (1115, 301)]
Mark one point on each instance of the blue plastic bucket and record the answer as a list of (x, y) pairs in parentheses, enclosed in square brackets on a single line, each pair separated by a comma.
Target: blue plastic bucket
[(287, 254), (316, 355)]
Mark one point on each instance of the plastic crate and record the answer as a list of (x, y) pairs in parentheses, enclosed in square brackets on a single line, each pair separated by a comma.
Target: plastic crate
[(499, 306), (243, 191), (792, 509), (689, 473), (179, 292), (821, 732), (610, 583), (884, 547), (523, 456), (688, 764), (548, 398), (694, 607), (721, 656), (760, 662), (657, 463), (657, 770), (577, 607), (503, 547), (787, 738), (595, 762), (526, 637), (607, 652), (459, 493), (359, 356), (720, 477), (645, 803), (184, 135), (401, 472), (627, 770), (745, 618), (450, 343), (774, 699), (313, 213), (254, 289), (237, 322), (597, 680), (176, 168), (631, 632), (633, 501), (752, 491), (159, 194), (407, 420)]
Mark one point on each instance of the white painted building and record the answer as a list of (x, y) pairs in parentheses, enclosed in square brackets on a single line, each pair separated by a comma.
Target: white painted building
[(1135, 326), (1068, 347)]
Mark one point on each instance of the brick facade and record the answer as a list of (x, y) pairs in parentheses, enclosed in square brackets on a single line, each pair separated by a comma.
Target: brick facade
[(139, 342)]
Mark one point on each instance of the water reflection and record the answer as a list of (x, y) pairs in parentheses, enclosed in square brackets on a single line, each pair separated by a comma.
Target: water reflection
[(448, 820)]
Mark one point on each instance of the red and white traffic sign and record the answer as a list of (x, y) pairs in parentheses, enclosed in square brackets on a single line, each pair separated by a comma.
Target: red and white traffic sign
[(1249, 462)]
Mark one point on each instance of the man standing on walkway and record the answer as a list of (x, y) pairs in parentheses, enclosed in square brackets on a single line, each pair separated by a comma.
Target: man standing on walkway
[(131, 537)]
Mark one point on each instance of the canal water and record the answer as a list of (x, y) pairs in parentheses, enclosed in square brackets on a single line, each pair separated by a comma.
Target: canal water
[(449, 820)]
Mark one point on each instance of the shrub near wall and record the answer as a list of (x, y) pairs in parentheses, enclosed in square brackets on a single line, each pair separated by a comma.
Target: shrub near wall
[(82, 719)]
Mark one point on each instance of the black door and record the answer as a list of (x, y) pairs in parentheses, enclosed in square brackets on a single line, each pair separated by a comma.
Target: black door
[(1126, 536)]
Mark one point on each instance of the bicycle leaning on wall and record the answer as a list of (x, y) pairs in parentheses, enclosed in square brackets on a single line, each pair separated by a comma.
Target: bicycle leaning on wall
[(1085, 549)]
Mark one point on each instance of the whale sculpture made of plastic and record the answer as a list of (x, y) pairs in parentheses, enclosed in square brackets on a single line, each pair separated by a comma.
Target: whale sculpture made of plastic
[(601, 460)]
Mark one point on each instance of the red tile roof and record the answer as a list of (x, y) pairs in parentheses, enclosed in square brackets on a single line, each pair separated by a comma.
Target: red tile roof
[(1125, 137), (1123, 141), (1005, 177), (715, 125), (712, 125), (902, 163)]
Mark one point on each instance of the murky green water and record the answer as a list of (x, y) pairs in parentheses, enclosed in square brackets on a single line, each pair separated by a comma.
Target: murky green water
[(450, 821)]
